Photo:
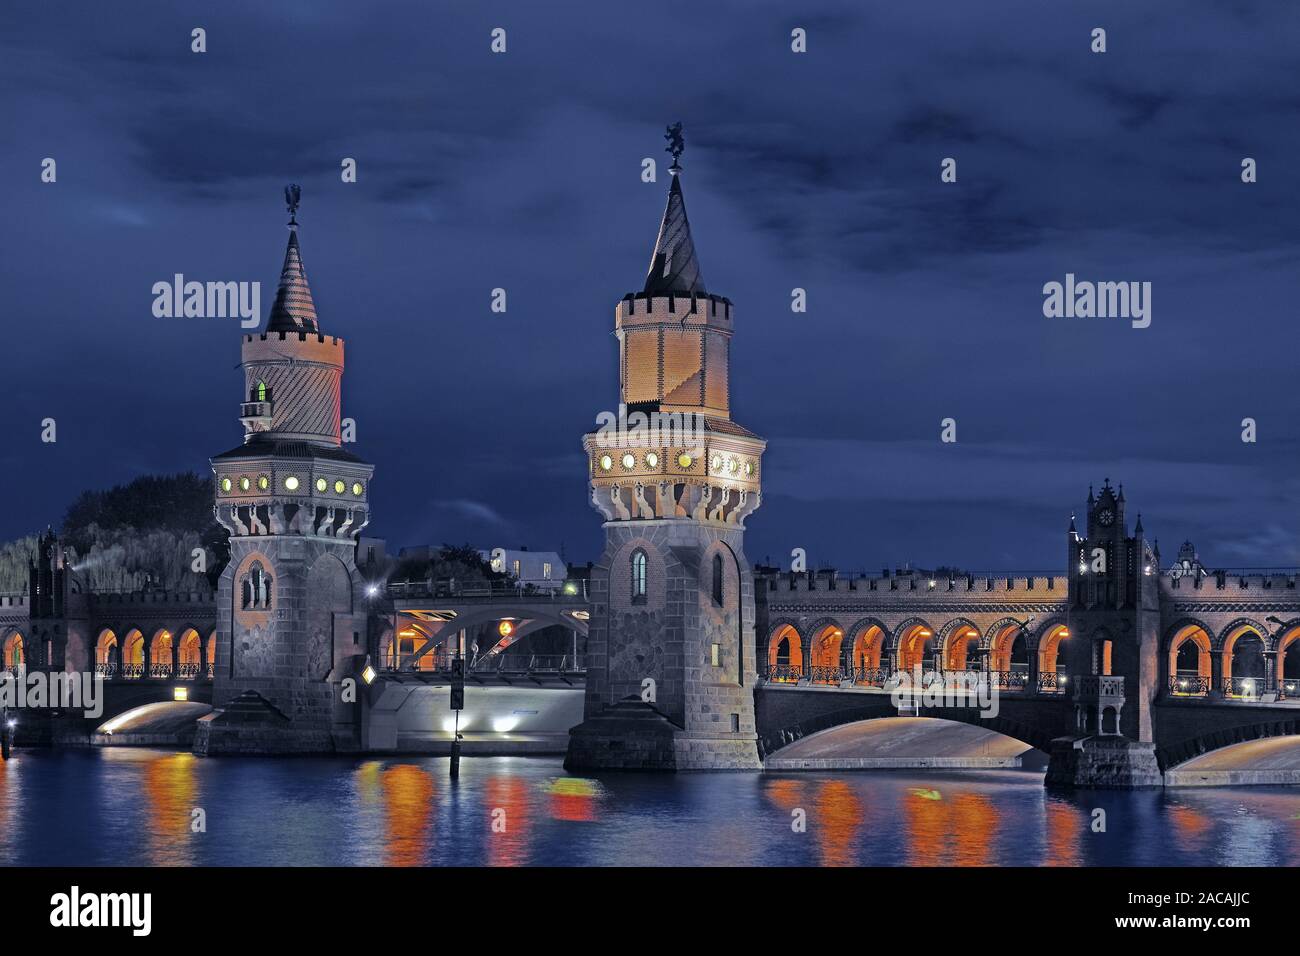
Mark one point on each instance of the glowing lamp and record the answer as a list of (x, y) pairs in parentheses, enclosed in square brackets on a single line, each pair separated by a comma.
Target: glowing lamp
[(506, 628), (570, 587), (180, 693), (368, 675)]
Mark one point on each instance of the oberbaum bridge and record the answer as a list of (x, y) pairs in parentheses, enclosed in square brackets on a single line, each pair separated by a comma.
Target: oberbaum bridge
[(1123, 671)]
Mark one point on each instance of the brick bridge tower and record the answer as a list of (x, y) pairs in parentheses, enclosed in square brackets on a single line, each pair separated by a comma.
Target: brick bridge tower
[(1111, 653), (671, 666), (291, 617)]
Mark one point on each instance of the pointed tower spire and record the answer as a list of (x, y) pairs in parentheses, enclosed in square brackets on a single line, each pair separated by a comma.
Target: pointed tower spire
[(1073, 529), (293, 310), (673, 264)]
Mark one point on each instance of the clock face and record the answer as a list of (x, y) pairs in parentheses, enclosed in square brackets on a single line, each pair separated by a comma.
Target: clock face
[(1106, 517)]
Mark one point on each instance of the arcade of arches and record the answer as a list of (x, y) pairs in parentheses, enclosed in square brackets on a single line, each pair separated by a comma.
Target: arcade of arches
[(869, 654), (164, 655)]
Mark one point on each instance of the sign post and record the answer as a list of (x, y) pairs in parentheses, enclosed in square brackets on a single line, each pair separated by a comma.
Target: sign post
[(457, 705)]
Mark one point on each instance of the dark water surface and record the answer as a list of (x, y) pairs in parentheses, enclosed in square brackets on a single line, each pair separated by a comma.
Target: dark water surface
[(130, 806)]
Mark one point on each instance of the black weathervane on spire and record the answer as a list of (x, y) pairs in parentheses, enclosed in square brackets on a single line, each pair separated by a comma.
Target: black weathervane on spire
[(676, 145), (292, 196)]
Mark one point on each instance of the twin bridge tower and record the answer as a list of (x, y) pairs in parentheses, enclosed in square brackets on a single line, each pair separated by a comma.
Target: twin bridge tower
[(671, 640)]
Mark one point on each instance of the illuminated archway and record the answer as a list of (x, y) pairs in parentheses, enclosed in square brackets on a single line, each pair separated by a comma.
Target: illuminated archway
[(105, 646), (160, 652), (13, 651), (915, 645), (785, 653), (1288, 664), (133, 654), (865, 650), (1190, 668), (189, 653), (1050, 677), (1243, 662), (961, 647), (824, 646)]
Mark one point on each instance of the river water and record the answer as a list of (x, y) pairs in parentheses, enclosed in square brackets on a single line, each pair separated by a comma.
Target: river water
[(138, 806)]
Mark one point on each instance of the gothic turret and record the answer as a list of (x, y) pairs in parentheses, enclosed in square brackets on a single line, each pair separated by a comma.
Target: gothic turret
[(671, 641), (290, 603)]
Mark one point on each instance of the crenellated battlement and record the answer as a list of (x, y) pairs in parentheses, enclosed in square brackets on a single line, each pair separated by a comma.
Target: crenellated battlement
[(281, 347), (1217, 585), (692, 308), (917, 586)]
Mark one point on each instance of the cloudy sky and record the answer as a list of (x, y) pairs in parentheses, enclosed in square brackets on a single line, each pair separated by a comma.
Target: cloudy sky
[(820, 171)]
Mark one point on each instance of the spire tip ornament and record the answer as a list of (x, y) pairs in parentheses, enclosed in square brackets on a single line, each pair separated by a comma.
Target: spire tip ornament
[(292, 196), (676, 146)]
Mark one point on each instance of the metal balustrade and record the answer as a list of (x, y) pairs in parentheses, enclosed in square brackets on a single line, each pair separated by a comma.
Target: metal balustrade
[(1243, 688), (1189, 685), (557, 589)]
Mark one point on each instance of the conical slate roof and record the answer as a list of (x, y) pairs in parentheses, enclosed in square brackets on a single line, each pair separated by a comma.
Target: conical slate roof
[(293, 310), (673, 266)]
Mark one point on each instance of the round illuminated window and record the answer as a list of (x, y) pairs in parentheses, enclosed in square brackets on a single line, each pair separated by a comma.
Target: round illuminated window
[(321, 484), (652, 460), (749, 468), (244, 484), (339, 486), (225, 484), (263, 482), (629, 460), (716, 463), (357, 489), (606, 463), (732, 465), (291, 483), (684, 460)]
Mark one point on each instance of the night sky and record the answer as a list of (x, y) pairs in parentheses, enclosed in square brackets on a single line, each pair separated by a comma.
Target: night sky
[(818, 170)]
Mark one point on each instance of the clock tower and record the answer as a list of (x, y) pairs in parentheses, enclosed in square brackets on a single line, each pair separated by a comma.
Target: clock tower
[(1110, 654)]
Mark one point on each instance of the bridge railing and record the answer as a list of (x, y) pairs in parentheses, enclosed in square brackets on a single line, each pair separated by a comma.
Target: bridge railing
[(885, 678), (157, 670), (440, 662), (1242, 688), (553, 588), (1189, 685)]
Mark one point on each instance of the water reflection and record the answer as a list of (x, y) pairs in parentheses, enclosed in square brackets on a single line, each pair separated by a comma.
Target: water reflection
[(136, 807)]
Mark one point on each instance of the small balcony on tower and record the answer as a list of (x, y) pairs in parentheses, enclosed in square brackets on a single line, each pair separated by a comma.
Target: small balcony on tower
[(258, 412)]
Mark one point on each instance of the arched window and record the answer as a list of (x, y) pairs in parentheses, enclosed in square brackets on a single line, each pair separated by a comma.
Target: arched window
[(717, 580), (261, 391), (255, 589), (638, 576)]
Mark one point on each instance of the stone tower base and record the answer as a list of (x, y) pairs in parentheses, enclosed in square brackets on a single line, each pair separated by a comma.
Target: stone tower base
[(1110, 763), (252, 725), (632, 735)]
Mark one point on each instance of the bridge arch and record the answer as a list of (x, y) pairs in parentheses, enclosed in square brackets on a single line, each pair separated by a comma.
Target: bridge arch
[(1049, 646), (160, 648), (133, 649), (1172, 755), (13, 650), (824, 639), (956, 639), (866, 642), (785, 645), (106, 647), (1288, 663), (772, 741), (1188, 648), (1244, 644), (912, 641), (1010, 646)]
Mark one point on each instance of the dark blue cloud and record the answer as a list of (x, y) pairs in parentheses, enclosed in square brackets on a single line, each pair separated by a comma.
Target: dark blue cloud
[(819, 171)]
